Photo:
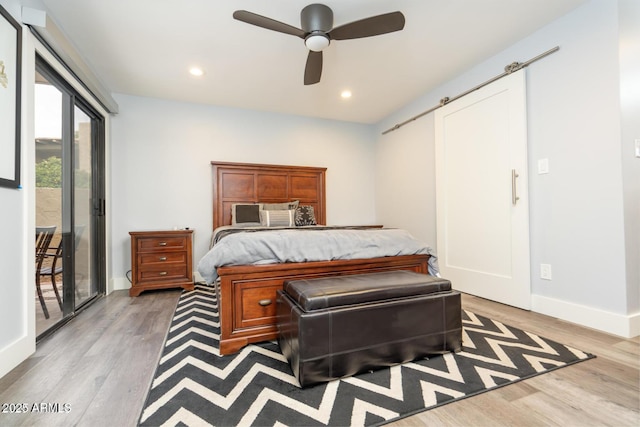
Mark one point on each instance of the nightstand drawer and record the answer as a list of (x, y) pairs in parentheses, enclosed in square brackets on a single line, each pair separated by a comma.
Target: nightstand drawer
[(160, 258), (170, 273), (169, 243)]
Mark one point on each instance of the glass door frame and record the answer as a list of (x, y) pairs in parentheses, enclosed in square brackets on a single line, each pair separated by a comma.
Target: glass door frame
[(70, 99)]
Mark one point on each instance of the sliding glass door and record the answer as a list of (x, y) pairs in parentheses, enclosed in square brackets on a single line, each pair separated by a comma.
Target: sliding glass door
[(69, 199), (83, 244)]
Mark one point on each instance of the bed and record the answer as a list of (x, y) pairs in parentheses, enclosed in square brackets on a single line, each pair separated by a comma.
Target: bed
[(247, 292)]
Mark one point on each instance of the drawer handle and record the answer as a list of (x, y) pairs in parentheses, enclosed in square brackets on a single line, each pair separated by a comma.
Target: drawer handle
[(162, 258), (162, 273), (264, 302), (162, 244)]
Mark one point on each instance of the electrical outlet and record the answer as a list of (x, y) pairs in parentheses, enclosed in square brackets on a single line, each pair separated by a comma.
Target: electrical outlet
[(543, 166), (545, 271)]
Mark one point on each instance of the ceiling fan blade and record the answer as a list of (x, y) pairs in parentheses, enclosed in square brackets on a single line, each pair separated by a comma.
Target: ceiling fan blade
[(268, 23), (367, 27), (313, 70)]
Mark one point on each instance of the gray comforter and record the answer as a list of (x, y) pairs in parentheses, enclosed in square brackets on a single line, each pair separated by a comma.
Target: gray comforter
[(303, 244)]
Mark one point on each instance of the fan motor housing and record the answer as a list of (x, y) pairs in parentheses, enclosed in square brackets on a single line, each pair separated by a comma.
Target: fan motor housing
[(316, 17)]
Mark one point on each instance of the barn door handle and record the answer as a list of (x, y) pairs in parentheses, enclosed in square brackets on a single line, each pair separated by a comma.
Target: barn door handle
[(514, 189)]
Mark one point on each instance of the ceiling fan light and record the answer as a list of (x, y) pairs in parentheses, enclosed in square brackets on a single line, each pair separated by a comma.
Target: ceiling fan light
[(196, 71), (316, 42)]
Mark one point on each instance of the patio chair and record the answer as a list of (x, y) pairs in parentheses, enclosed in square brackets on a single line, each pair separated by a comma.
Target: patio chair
[(44, 235), (54, 268)]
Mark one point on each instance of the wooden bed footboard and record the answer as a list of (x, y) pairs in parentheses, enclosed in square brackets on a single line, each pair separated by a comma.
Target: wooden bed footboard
[(247, 293)]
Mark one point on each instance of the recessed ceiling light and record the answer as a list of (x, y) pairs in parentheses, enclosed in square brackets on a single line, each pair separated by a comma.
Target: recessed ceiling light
[(346, 94), (196, 71)]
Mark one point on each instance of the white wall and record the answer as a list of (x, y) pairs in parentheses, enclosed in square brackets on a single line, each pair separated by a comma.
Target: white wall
[(161, 172), (17, 318), (576, 211), (405, 179), (629, 14)]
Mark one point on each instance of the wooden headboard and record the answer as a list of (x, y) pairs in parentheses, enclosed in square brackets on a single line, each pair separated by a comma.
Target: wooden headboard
[(252, 183)]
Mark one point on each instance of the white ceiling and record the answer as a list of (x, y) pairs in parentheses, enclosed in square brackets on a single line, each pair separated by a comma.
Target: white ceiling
[(146, 47)]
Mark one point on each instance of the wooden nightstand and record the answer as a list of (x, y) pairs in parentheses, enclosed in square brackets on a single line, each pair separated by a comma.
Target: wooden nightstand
[(161, 259)]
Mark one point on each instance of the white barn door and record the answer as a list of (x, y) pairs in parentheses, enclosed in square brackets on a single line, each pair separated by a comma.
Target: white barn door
[(481, 192)]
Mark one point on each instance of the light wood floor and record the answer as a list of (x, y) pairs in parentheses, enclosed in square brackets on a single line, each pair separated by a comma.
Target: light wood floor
[(102, 362), (55, 314)]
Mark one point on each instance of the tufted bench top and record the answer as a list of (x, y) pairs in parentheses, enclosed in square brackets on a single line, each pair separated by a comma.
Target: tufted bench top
[(330, 292)]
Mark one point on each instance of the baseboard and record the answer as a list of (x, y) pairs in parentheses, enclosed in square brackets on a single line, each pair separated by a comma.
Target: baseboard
[(118, 283), (627, 326), (634, 324), (15, 353)]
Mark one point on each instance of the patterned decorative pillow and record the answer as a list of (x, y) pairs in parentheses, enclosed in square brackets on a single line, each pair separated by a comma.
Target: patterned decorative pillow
[(305, 216), (280, 206), (277, 218), (245, 215)]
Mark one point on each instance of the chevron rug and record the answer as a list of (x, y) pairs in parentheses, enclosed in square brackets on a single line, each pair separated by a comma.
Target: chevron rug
[(195, 386)]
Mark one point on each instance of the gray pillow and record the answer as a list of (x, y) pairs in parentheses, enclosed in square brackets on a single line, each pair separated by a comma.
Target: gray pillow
[(278, 218), (280, 206)]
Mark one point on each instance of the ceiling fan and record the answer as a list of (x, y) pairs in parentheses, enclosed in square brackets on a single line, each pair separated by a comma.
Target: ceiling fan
[(317, 31)]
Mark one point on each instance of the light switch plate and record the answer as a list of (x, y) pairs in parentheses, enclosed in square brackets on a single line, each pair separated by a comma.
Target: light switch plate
[(637, 147), (543, 166)]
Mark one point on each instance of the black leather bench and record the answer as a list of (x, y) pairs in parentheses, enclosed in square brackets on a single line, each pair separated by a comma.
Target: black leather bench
[(335, 327)]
